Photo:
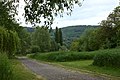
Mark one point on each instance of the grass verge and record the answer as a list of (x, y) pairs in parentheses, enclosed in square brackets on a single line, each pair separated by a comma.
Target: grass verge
[(85, 66), (22, 73)]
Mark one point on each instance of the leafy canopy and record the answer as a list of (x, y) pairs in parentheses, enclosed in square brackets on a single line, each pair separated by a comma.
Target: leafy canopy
[(35, 10)]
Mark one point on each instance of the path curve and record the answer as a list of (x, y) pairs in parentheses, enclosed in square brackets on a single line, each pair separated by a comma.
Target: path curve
[(51, 72)]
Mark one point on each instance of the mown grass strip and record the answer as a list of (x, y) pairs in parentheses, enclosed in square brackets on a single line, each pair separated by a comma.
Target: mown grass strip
[(86, 66), (22, 73)]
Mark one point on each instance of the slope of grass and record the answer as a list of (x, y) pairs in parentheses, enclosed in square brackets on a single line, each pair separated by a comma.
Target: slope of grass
[(22, 73)]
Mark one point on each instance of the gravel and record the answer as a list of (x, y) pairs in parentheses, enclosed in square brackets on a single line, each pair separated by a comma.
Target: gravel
[(50, 72)]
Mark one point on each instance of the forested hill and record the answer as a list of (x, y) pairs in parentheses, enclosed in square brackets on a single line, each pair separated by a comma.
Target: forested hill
[(71, 33)]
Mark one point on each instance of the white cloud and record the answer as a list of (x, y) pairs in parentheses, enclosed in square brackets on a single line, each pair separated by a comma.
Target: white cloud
[(91, 13)]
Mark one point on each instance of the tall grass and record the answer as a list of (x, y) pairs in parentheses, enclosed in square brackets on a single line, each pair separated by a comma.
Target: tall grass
[(64, 56), (112, 55), (5, 68)]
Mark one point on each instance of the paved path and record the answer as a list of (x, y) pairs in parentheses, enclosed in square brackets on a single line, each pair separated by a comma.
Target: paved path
[(51, 72)]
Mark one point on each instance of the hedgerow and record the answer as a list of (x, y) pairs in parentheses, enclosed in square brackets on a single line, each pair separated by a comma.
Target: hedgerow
[(63, 56), (109, 59)]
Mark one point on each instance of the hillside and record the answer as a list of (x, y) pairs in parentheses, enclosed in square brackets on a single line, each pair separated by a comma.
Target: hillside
[(71, 33)]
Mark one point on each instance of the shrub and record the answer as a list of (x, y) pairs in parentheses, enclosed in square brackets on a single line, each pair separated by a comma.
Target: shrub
[(63, 48), (5, 68), (35, 49), (109, 59)]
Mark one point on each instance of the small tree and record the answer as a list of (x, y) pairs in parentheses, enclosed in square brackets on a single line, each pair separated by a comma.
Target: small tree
[(74, 46), (41, 38)]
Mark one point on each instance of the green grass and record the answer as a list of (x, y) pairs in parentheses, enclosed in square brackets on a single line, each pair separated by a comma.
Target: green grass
[(22, 73), (86, 66), (6, 71)]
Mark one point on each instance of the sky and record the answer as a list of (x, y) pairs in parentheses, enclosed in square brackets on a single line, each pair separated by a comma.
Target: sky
[(91, 12)]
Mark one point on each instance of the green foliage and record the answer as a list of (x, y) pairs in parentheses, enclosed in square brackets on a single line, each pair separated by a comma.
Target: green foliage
[(110, 29), (41, 38), (58, 36), (25, 40), (75, 46), (35, 49), (105, 37), (47, 9), (108, 58), (61, 39), (88, 41), (64, 56), (6, 71), (71, 33), (63, 48), (9, 42), (54, 46), (7, 16)]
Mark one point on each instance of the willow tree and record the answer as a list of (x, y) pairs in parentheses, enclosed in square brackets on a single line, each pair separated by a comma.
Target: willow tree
[(9, 41)]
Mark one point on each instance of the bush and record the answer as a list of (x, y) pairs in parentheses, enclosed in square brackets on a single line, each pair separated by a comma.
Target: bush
[(5, 68), (64, 56), (35, 49), (63, 48), (109, 59)]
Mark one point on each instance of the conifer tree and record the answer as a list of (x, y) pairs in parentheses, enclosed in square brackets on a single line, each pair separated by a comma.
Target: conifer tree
[(56, 35), (60, 36)]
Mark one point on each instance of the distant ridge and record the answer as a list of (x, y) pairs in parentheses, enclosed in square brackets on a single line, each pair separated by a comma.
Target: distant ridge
[(70, 33), (82, 26)]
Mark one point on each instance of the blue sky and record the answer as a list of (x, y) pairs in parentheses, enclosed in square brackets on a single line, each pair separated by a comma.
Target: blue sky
[(91, 12)]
